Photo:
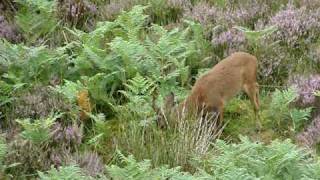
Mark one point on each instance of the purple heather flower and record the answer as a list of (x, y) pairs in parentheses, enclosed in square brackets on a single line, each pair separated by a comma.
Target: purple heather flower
[(310, 3), (90, 162), (203, 13), (230, 37), (71, 134), (244, 14), (114, 8), (8, 31), (305, 87), (233, 38), (56, 159), (311, 136), (294, 23), (181, 4)]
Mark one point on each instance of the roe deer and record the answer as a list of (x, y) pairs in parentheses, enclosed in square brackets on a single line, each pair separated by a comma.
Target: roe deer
[(211, 91)]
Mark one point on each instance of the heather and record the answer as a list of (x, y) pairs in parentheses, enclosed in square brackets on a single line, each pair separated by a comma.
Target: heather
[(84, 82)]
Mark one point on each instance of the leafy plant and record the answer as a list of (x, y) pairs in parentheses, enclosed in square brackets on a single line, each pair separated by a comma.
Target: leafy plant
[(245, 160), (36, 19), (252, 160), (39, 130), (98, 130), (138, 93), (4, 149), (7, 92), (71, 172), (116, 51), (306, 87), (280, 106), (143, 170), (22, 64), (174, 146), (299, 117), (282, 99), (69, 89), (255, 36)]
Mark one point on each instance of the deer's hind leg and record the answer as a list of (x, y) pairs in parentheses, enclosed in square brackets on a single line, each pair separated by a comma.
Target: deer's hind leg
[(219, 110), (252, 90)]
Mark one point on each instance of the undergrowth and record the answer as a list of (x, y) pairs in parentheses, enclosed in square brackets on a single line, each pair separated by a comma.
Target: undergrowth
[(79, 80)]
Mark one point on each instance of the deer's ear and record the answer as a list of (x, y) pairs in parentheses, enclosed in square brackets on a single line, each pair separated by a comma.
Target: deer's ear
[(169, 101)]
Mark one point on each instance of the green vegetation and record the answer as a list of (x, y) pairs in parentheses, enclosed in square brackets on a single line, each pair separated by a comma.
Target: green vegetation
[(80, 80)]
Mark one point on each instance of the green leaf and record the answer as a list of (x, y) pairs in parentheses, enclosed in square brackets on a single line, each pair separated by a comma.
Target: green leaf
[(37, 131)]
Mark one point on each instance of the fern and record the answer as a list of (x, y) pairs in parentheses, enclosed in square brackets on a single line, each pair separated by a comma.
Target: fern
[(299, 117), (281, 109), (69, 89), (22, 64), (36, 18), (123, 48), (200, 48), (7, 92), (142, 170), (101, 87), (138, 93), (169, 54), (283, 98), (255, 36), (280, 102), (245, 160), (132, 22), (138, 86), (71, 172), (130, 55), (38, 131), (253, 160), (3, 149)]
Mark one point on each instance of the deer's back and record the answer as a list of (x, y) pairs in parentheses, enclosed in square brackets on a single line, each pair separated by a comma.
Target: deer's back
[(225, 79)]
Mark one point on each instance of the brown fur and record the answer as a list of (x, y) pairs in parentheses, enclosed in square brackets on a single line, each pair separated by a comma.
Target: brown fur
[(231, 75)]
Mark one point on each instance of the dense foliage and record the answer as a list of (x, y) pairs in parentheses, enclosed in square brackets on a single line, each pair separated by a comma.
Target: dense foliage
[(80, 80)]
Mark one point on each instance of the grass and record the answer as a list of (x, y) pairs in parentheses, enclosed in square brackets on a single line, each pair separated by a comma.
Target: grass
[(121, 63)]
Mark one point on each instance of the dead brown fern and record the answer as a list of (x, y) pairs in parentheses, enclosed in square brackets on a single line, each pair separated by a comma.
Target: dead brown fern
[(83, 100)]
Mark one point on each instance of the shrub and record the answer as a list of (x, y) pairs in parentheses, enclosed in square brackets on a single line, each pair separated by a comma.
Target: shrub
[(310, 136), (250, 160), (114, 8), (246, 160), (203, 13), (90, 163), (39, 65), (306, 86), (36, 19), (9, 31), (281, 102), (79, 14), (174, 146), (312, 4), (116, 51), (39, 102), (143, 170), (230, 41), (294, 24), (38, 131), (71, 172), (47, 142), (161, 12)]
